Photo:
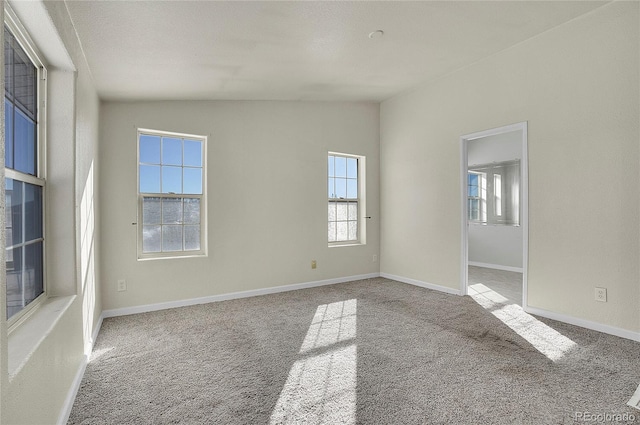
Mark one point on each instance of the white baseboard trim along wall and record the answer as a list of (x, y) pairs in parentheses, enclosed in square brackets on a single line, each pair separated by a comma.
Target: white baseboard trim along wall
[(77, 380), (611, 330), (421, 284), (496, 266), (232, 296)]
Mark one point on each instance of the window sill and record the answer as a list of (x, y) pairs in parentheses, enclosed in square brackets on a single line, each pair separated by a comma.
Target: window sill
[(340, 245), (25, 339), (173, 256)]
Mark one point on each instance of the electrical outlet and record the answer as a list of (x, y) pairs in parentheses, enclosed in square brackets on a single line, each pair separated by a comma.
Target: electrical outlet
[(313, 264), (601, 294), (374, 258), (122, 285)]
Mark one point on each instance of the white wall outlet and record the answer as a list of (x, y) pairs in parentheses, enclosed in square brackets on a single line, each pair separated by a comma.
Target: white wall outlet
[(601, 294), (122, 285), (313, 264), (374, 258)]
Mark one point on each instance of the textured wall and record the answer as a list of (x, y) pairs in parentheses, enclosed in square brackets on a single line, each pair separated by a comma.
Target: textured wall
[(577, 86), (267, 196), (51, 354)]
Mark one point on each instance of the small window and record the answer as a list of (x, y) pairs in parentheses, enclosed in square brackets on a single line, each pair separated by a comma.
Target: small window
[(476, 196), (171, 195), (345, 193), (24, 182)]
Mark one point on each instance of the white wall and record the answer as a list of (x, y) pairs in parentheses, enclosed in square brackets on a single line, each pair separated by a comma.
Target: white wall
[(496, 148), (577, 86), (495, 245), (267, 196), (46, 353)]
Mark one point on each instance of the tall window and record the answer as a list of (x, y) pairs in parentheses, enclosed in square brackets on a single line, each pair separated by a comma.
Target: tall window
[(24, 182), (476, 196), (171, 200), (344, 173)]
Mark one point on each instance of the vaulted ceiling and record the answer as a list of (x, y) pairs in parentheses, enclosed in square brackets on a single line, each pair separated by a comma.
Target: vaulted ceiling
[(297, 50)]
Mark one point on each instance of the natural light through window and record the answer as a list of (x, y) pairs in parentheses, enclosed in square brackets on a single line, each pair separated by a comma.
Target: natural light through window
[(545, 339), (344, 190), (497, 194), (321, 386), (171, 195)]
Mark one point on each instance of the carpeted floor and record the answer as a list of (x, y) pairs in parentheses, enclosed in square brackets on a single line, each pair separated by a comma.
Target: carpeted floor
[(373, 352)]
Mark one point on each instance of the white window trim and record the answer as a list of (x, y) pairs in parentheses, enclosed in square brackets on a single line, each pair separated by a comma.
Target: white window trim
[(361, 200), (482, 201), (22, 37), (202, 252)]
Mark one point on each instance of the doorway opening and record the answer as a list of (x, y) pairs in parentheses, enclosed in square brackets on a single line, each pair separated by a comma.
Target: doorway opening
[(494, 196)]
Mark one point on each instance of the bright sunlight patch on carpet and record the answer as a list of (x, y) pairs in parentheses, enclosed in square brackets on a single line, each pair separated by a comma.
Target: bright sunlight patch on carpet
[(545, 339), (321, 386)]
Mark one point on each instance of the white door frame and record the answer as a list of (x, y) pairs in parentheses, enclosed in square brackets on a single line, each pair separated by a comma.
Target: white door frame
[(524, 188)]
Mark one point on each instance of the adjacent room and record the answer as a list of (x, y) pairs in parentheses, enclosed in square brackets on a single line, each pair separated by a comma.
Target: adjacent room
[(320, 212)]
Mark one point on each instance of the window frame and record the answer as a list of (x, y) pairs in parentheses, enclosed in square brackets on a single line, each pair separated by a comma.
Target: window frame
[(202, 252), (22, 37), (360, 200), (482, 209)]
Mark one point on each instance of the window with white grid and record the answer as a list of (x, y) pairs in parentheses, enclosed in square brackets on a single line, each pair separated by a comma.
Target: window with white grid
[(24, 80), (171, 195), (344, 206)]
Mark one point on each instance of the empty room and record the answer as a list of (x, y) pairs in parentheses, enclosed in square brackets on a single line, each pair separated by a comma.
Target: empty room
[(320, 212)]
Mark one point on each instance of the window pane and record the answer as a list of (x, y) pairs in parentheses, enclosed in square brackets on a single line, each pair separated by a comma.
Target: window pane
[(353, 230), (151, 213), (171, 179), (341, 166), (332, 211), (8, 134), (151, 238), (13, 205), (342, 211), (172, 238), (341, 227), (193, 153), (8, 63), (24, 145), (331, 170), (191, 211), (171, 151), (332, 187), (353, 211), (192, 181), (172, 211), (149, 179), (33, 276), (149, 149), (191, 238), (352, 188), (352, 168), (341, 188), (33, 212), (24, 80), (332, 231), (14, 281)]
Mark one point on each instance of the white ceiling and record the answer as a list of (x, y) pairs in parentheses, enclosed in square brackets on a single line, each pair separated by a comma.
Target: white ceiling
[(299, 50)]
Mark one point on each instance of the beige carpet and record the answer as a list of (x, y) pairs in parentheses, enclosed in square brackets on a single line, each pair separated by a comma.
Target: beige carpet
[(372, 352)]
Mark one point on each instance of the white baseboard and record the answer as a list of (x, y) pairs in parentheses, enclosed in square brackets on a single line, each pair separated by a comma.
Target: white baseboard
[(421, 284), (71, 394), (77, 380), (232, 296), (611, 330), (496, 267)]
